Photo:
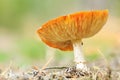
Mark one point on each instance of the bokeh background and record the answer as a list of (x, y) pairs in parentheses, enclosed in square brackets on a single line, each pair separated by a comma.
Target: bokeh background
[(19, 20)]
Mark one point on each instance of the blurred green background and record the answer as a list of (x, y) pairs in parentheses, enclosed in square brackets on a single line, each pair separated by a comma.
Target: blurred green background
[(19, 20)]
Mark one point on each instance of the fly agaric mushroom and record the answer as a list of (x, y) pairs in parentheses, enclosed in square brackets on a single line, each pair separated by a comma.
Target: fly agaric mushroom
[(66, 32)]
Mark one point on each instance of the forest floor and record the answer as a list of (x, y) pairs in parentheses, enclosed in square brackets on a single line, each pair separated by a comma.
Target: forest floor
[(101, 70)]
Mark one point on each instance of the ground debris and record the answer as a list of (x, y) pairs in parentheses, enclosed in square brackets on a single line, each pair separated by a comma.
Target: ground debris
[(68, 73), (99, 72)]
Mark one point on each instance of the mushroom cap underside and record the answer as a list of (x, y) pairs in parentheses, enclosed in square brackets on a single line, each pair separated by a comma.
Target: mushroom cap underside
[(62, 31)]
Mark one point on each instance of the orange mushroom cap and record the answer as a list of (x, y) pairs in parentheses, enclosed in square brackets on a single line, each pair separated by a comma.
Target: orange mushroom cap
[(62, 31)]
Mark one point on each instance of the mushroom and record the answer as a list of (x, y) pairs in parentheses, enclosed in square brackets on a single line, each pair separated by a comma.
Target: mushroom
[(66, 32)]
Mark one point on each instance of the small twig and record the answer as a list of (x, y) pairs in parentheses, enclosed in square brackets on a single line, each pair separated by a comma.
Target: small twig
[(35, 67), (56, 68), (40, 71), (47, 63)]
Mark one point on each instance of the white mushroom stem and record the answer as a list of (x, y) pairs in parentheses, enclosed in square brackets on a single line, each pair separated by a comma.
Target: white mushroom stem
[(78, 56)]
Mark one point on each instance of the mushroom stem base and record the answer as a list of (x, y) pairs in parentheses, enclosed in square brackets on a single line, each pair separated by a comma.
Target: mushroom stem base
[(78, 56), (81, 66)]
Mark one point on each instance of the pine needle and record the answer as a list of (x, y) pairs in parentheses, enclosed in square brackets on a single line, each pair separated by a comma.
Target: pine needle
[(49, 60), (106, 61), (101, 53)]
